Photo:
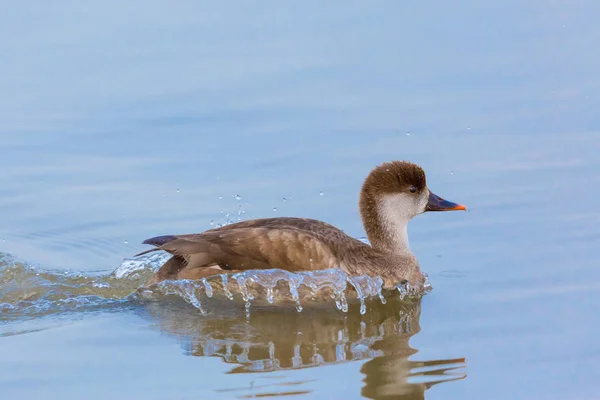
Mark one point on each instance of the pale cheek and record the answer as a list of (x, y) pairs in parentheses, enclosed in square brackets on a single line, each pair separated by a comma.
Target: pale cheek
[(422, 204), (412, 207)]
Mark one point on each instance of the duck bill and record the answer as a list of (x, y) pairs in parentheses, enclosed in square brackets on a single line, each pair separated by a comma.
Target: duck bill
[(436, 203)]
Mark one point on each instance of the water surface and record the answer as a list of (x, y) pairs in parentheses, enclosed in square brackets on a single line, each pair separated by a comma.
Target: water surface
[(123, 122)]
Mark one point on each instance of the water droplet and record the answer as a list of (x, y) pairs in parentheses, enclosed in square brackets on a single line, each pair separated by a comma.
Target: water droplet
[(427, 284), (379, 288), (320, 193), (407, 133), (451, 172), (207, 288), (344, 304), (359, 292), (220, 197), (403, 290), (294, 283), (274, 208), (238, 197), (126, 242), (283, 199), (225, 284), (363, 307), (241, 211), (212, 222), (177, 190), (241, 279), (247, 309), (468, 128), (189, 295), (341, 302)]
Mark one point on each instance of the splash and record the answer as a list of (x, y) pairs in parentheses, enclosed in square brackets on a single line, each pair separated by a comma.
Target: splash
[(225, 285), (366, 287), (31, 292), (207, 287), (27, 291), (135, 268), (260, 288)]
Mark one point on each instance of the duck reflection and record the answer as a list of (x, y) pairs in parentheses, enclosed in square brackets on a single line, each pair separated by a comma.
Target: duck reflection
[(276, 339)]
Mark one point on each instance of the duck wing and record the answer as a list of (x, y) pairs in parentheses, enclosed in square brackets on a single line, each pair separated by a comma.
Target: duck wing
[(292, 244)]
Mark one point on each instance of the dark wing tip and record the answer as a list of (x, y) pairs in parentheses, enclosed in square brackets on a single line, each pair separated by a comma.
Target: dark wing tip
[(159, 240)]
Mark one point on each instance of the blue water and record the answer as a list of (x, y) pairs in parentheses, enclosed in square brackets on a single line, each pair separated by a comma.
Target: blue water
[(122, 122)]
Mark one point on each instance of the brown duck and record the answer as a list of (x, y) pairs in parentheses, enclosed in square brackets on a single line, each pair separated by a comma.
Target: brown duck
[(392, 194)]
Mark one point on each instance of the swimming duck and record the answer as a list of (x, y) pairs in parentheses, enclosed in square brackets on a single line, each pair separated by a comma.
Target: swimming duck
[(391, 195)]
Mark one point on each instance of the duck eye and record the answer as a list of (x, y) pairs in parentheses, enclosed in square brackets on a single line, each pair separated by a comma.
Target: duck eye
[(413, 189)]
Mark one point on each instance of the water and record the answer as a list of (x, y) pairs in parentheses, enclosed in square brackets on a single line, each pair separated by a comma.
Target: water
[(123, 122), (34, 292)]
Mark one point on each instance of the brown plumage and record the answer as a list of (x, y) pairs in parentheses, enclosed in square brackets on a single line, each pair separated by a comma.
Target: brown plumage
[(297, 244)]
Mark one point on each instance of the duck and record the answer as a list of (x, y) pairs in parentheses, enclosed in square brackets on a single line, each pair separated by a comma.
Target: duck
[(391, 195)]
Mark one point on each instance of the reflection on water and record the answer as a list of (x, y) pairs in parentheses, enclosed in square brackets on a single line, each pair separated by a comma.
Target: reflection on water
[(281, 339)]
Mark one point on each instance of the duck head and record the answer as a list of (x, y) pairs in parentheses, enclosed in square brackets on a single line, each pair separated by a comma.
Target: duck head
[(392, 194)]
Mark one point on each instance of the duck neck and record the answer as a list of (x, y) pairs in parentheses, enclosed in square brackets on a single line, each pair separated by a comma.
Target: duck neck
[(386, 224)]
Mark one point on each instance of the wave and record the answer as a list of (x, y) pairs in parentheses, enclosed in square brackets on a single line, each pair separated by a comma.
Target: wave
[(27, 291)]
